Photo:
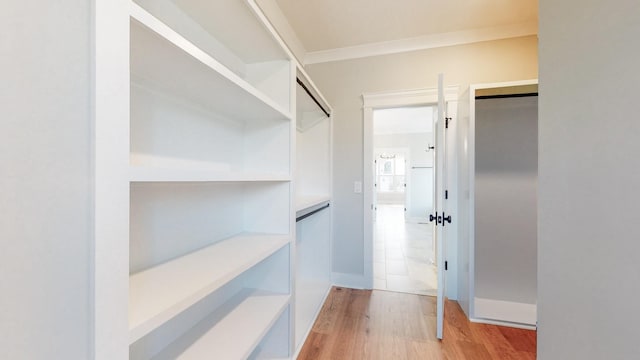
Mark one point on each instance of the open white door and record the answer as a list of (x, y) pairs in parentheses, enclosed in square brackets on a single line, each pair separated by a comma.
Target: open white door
[(438, 206)]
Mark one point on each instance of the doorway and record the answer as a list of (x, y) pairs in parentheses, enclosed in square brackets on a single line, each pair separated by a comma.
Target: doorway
[(445, 100), (404, 258)]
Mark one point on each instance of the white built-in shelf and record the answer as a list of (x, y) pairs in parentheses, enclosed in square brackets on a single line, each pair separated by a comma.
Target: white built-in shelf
[(313, 194), (231, 24), (305, 204), (151, 174), (158, 294), (163, 60), (233, 331), (310, 295)]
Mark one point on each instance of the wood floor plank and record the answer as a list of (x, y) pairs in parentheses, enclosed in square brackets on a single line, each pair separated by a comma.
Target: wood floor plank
[(495, 343), (313, 346), (328, 317), (456, 324), (365, 324), (425, 350), (521, 342), (465, 350)]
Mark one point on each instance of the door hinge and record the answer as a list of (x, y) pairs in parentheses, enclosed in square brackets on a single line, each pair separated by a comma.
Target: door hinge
[(446, 265), (446, 122), (446, 194)]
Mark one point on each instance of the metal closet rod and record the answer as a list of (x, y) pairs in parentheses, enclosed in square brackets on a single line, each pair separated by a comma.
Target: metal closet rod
[(311, 213), (312, 97), (504, 96)]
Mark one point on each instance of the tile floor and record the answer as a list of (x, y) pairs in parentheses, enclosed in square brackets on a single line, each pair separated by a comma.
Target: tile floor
[(402, 254)]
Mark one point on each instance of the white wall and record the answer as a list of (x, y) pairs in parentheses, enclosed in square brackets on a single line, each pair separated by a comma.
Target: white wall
[(506, 170), (45, 157), (344, 82), (588, 180)]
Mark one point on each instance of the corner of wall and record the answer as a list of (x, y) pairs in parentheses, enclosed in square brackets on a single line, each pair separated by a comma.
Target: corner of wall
[(352, 281)]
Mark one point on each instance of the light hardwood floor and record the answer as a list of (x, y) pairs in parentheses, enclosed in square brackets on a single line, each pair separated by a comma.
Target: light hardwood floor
[(365, 324)]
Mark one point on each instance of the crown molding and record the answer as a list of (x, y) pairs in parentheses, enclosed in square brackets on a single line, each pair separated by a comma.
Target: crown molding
[(422, 42)]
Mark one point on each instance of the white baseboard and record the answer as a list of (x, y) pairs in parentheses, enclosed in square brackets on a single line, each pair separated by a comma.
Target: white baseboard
[(503, 323), (351, 281), (506, 313)]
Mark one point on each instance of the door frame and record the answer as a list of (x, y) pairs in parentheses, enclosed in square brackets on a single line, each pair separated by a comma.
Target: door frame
[(468, 299), (386, 100)]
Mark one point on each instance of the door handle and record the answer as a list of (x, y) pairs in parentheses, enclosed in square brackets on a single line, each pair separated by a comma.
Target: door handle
[(445, 219), (440, 219)]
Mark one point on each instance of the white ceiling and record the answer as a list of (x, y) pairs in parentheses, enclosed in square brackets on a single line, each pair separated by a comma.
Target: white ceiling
[(408, 120), (330, 24)]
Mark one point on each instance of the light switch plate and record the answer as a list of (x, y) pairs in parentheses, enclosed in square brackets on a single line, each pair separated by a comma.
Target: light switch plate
[(357, 187)]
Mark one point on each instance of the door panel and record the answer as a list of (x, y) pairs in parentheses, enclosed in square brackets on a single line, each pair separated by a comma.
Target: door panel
[(440, 179)]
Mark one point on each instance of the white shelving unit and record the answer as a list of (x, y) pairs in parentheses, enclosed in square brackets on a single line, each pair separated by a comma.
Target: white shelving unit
[(211, 194), (313, 147), (150, 174), (207, 154), (312, 202), (225, 334), (158, 294)]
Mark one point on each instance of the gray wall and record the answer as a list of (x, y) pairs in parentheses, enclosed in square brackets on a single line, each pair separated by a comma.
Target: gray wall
[(589, 208), (344, 82), (506, 199), (45, 158)]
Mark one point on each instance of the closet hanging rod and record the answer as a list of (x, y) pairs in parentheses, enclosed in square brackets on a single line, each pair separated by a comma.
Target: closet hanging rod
[(504, 96), (312, 97), (302, 217)]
